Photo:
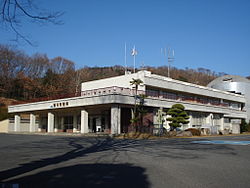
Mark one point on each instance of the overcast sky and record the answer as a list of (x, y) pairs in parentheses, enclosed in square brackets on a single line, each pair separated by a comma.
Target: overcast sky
[(213, 34)]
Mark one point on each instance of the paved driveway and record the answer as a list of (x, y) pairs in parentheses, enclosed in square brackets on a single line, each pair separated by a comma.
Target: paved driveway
[(71, 161)]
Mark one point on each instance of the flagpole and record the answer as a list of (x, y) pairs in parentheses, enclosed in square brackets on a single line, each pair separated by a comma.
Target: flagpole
[(134, 53), (134, 61)]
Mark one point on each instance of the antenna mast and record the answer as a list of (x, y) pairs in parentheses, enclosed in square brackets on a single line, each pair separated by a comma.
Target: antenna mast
[(170, 59), (142, 65), (125, 57)]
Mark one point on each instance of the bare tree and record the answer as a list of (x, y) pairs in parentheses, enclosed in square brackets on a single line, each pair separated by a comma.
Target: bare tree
[(37, 66), (13, 13), (60, 65)]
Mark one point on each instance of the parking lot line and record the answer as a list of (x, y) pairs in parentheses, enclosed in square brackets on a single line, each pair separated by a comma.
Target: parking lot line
[(222, 142)]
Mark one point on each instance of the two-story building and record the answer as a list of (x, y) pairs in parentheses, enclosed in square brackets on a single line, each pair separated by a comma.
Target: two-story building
[(106, 105)]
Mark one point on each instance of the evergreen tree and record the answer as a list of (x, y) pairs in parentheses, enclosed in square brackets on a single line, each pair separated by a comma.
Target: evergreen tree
[(178, 115)]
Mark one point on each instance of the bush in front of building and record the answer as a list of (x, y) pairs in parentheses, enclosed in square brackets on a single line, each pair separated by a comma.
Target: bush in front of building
[(195, 132), (178, 117), (244, 126), (3, 113)]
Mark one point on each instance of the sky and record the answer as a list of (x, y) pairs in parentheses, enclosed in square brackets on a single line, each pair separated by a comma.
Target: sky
[(212, 34)]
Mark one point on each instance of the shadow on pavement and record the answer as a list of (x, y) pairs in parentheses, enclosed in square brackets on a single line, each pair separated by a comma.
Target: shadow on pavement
[(185, 149), (121, 174), (87, 175), (78, 151)]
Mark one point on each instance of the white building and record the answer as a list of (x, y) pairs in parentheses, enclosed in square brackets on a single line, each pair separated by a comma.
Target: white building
[(234, 84), (105, 106)]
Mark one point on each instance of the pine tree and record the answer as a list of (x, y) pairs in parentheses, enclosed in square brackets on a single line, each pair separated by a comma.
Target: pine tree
[(178, 115)]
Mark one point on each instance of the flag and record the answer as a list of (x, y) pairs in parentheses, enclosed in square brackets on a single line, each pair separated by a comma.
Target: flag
[(133, 52)]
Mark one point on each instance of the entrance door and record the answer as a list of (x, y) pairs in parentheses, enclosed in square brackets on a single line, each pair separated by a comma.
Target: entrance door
[(125, 119), (68, 124), (93, 125)]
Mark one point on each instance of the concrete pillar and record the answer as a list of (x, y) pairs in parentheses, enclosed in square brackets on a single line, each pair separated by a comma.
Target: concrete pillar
[(51, 122), (222, 123), (115, 119), (74, 123), (32, 123), (209, 119), (17, 123), (56, 123), (189, 125), (84, 121)]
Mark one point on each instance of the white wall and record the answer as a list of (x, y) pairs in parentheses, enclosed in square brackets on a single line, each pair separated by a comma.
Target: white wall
[(4, 126), (24, 127), (119, 81), (168, 83)]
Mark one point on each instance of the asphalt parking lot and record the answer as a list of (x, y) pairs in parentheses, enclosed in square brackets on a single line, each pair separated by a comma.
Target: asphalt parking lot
[(72, 161)]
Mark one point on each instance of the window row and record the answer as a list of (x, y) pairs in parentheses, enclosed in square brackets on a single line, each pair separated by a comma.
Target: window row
[(192, 98)]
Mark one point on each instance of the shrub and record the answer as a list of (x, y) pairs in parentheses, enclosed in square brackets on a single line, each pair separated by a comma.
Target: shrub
[(244, 126), (178, 116), (3, 113), (195, 132)]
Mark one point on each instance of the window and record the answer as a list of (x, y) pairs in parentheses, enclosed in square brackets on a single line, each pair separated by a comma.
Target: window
[(214, 101), (226, 120), (202, 100), (235, 105), (68, 122), (198, 119), (169, 95), (152, 93)]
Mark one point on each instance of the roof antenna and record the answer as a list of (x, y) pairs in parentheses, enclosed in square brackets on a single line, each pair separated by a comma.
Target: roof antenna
[(125, 57), (168, 56), (170, 59), (142, 65)]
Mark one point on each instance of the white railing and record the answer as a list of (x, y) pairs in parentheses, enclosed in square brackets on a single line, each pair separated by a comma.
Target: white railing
[(131, 92), (111, 90)]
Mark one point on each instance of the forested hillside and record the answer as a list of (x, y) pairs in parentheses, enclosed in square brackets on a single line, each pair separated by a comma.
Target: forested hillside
[(24, 77)]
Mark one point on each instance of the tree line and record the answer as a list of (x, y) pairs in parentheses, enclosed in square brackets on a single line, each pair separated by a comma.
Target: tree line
[(24, 77)]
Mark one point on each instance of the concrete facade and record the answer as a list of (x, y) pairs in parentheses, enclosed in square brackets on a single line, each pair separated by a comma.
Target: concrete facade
[(105, 106), (116, 119), (32, 123), (4, 126), (84, 121), (234, 84)]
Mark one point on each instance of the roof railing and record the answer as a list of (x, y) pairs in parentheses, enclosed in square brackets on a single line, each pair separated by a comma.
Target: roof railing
[(129, 92)]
